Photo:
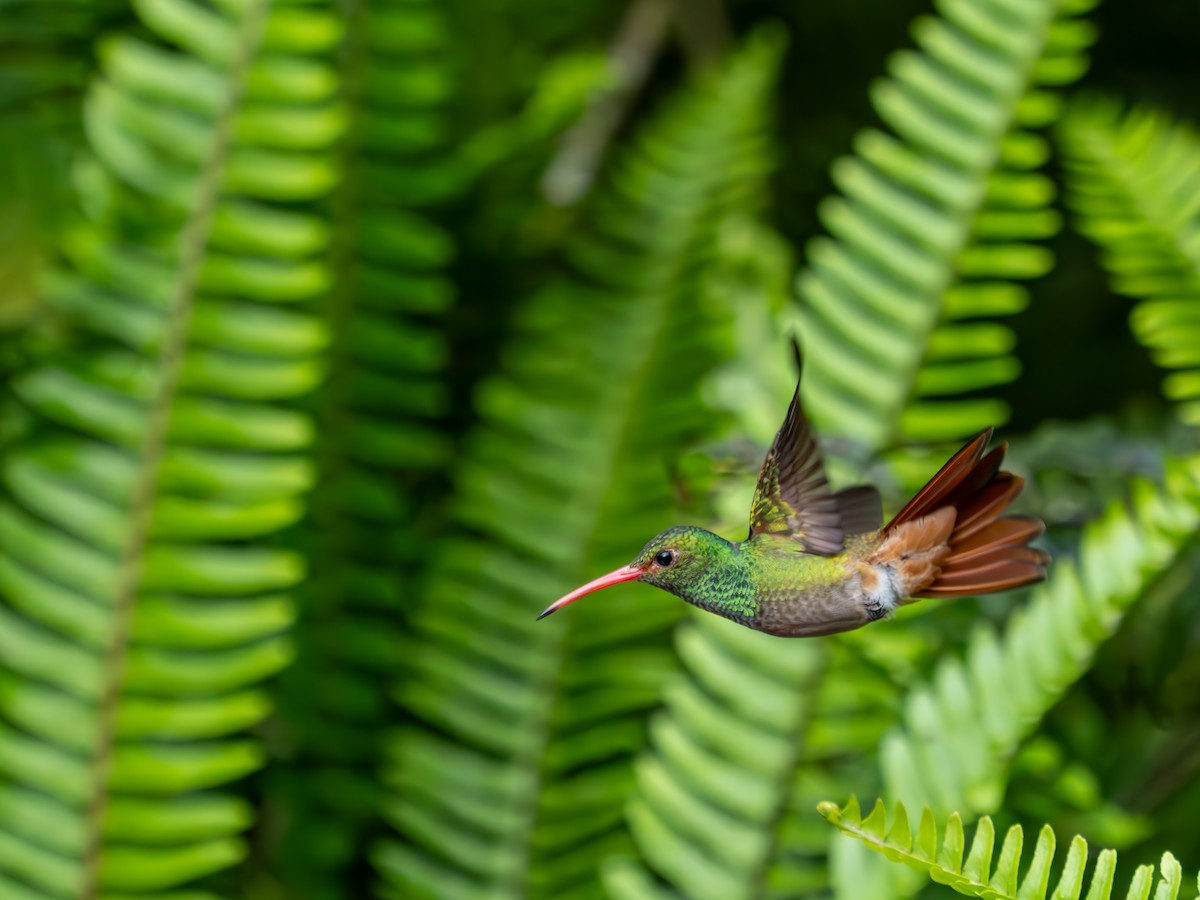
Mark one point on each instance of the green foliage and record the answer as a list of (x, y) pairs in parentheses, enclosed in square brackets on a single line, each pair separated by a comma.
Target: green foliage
[(143, 597), (930, 224), (314, 400), (1133, 184), (538, 720), (708, 805), (377, 415), (935, 225), (943, 859)]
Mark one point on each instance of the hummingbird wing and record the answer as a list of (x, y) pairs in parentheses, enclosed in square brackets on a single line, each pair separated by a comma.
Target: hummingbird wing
[(793, 498)]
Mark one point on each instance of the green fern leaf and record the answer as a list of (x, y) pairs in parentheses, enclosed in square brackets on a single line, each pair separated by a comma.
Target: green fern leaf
[(144, 600), (513, 785), (1133, 188), (1006, 880), (379, 441), (710, 797), (936, 226)]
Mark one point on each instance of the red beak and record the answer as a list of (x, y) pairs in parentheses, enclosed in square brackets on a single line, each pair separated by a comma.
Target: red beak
[(625, 573)]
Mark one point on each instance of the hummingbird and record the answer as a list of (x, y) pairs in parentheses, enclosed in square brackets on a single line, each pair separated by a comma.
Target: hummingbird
[(816, 561)]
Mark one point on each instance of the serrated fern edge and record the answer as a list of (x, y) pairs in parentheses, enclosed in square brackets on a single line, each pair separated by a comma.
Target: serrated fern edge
[(941, 857)]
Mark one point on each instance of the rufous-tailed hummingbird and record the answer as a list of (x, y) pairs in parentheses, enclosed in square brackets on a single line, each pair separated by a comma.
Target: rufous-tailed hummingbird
[(816, 562)]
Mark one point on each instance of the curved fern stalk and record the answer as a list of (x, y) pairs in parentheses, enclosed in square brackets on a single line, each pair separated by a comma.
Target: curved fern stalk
[(511, 781), (942, 859), (929, 225), (378, 443), (143, 601), (1134, 179), (935, 225), (961, 729)]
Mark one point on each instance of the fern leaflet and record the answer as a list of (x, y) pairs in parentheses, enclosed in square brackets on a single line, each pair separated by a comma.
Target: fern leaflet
[(378, 445), (934, 227), (942, 858), (961, 728)]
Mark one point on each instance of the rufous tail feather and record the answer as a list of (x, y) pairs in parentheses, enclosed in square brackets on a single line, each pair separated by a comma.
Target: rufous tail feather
[(976, 550)]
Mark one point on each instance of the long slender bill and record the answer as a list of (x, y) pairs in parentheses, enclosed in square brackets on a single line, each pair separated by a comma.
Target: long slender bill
[(625, 573)]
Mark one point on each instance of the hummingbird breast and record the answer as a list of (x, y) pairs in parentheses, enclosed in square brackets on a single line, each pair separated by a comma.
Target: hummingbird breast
[(803, 595), (816, 611)]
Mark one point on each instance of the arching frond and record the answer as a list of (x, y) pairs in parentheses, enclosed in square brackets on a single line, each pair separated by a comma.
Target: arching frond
[(941, 857), (511, 782), (1134, 180), (937, 224), (143, 599)]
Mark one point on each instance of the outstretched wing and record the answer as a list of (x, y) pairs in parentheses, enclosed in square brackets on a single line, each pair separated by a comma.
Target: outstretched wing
[(793, 497)]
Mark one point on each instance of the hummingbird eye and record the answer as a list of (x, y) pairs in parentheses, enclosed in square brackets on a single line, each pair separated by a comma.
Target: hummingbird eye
[(664, 558)]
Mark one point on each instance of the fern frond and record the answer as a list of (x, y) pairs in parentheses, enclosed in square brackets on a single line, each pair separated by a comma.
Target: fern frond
[(378, 444), (143, 597), (937, 224), (512, 781), (710, 796), (1133, 183), (941, 857), (962, 727)]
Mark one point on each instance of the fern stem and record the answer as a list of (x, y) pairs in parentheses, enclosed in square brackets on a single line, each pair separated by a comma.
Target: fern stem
[(193, 241)]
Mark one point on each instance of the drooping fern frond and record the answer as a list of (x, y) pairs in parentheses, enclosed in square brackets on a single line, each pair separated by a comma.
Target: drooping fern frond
[(1134, 184), (378, 448), (143, 595), (962, 727), (941, 857), (936, 223), (511, 781)]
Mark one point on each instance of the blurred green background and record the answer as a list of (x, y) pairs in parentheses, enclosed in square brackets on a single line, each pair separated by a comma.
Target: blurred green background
[(338, 339)]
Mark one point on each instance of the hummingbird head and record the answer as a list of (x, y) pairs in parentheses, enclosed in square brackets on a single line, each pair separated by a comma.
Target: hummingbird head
[(676, 560)]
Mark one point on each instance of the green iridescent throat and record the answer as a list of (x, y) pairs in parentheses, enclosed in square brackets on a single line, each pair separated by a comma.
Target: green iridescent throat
[(708, 571)]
